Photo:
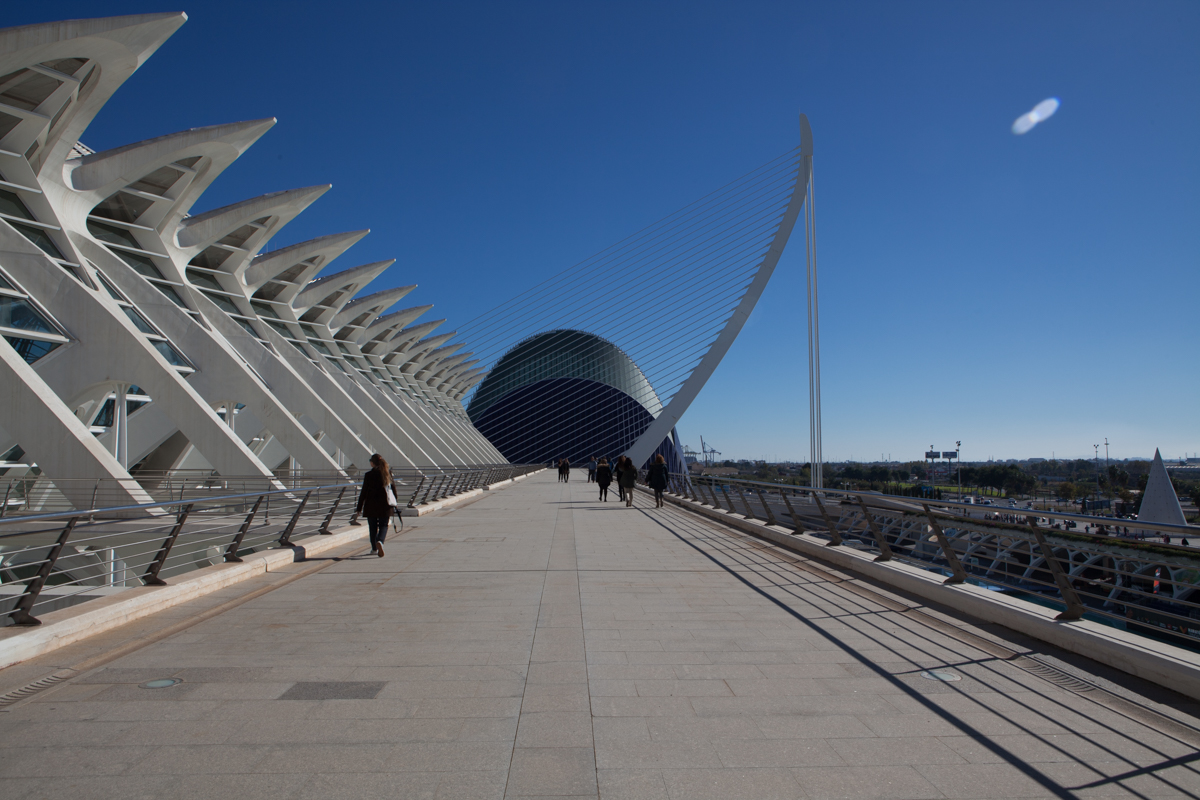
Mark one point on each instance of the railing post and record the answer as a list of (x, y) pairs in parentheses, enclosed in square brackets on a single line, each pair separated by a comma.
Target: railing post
[(960, 575), (285, 539), (416, 491), (791, 513), (1075, 607), (427, 491), (21, 615), (767, 508), (725, 492), (151, 577), (324, 529), (231, 555), (834, 533), (749, 512), (885, 550), (712, 490)]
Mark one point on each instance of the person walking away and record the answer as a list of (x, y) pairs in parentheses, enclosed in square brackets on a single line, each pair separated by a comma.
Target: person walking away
[(592, 469), (604, 477), (618, 468), (373, 501), (657, 478), (566, 470), (560, 470), (628, 480)]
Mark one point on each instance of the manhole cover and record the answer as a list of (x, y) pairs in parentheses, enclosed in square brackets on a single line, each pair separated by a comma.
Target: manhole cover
[(161, 683), (940, 675)]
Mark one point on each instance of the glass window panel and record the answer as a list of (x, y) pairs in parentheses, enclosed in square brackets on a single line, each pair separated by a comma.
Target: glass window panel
[(107, 233), (317, 343), (280, 328), (264, 310), (30, 349), (309, 330), (139, 321), (211, 258), (201, 279), (105, 418), (18, 313), (223, 303), (171, 294), (11, 204), (247, 327), (133, 405), (40, 238), (170, 354), (108, 287), (4, 284), (143, 265)]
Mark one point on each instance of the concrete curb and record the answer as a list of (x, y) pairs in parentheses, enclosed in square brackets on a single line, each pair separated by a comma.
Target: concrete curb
[(458, 499), (69, 625), (1158, 662)]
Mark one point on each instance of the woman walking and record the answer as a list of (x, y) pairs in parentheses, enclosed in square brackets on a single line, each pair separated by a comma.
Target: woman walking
[(566, 470), (373, 502), (628, 480), (657, 478), (603, 478), (618, 468)]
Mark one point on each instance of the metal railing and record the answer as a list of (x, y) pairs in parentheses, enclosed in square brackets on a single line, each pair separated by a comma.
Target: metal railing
[(429, 488), (55, 560), (40, 494), (1109, 575)]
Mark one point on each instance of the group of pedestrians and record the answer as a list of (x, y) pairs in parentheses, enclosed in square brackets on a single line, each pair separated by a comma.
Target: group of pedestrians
[(624, 474)]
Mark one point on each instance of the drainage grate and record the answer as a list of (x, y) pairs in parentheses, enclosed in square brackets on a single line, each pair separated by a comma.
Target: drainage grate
[(18, 695), (1052, 675), (334, 690)]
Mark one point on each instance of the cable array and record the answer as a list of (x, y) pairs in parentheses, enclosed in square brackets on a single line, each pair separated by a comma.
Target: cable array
[(662, 295)]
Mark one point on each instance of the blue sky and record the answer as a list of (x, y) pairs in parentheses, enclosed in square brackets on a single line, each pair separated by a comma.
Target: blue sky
[(1028, 295)]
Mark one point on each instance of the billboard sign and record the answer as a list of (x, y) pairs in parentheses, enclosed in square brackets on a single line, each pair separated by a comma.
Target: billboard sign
[(933, 454)]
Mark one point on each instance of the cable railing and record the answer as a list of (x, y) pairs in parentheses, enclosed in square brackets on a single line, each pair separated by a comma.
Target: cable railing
[(1099, 568), (40, 494)]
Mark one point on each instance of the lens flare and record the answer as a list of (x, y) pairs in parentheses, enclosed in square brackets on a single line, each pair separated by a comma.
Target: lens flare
[(1040, 113)]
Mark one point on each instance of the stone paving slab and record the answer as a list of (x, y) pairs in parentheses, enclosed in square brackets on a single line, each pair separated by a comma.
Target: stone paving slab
[(538, 643)]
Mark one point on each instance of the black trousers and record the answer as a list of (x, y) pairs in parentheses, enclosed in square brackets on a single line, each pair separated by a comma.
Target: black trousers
[(377, 527), (604, 492)]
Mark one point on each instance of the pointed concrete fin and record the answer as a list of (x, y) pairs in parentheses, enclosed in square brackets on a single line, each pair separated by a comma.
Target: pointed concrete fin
[(268, 265), (396, 318), (1159, 501), (101, 174), (411, 334), (348, 281), (201, 230), (439, 367), (419, 353), (373, 304), (138, 35)]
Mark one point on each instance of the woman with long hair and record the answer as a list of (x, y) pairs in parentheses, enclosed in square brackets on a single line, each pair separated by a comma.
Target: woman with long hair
[(373, 501), (618, 468), (657, 476)]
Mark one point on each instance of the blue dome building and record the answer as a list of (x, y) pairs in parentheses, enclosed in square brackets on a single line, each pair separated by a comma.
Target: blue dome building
[(566, 394)]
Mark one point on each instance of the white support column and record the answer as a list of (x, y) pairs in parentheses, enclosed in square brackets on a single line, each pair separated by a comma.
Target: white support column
[(121, 425)]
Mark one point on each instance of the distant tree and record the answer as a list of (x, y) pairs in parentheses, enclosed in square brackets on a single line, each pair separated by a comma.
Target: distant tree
[(1066, 491)]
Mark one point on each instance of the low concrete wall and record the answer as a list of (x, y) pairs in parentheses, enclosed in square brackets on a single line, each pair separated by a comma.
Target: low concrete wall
[(1159, 662), (69, 625), (459, 499)]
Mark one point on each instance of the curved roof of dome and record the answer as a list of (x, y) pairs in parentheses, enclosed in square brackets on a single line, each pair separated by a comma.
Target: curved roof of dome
[(564, 354)]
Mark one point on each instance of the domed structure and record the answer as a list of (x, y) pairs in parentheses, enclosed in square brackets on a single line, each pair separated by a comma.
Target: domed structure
[(565, 394)]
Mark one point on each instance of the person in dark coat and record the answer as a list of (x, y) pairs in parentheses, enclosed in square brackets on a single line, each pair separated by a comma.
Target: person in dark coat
[(629, 475), (618, 468), (373, 502), (657, 476), (604, 477), (566, 470)]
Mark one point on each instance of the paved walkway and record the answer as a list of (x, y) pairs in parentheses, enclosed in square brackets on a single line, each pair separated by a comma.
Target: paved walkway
[(538, 643)]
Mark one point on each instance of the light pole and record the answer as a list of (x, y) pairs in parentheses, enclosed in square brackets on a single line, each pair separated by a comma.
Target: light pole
[(1097, 476), (958, 453)]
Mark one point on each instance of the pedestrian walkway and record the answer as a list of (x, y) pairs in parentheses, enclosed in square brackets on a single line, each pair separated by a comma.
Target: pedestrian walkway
[(537, 643)]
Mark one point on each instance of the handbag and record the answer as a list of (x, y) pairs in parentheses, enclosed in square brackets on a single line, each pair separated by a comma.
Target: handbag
[(391, 496)]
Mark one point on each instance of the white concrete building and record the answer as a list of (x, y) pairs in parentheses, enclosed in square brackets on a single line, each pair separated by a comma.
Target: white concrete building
[(142, 336)]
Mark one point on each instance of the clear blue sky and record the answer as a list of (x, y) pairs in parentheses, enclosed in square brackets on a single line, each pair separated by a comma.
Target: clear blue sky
[(1025, 294)]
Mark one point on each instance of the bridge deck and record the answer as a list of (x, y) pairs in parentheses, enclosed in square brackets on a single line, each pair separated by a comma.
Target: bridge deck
[(538, 643)]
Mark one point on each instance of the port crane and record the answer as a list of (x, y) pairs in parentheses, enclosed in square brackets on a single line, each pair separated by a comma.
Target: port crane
[(708, 452)]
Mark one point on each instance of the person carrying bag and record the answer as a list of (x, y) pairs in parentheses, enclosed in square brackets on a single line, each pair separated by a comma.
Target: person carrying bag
[(376, 501)]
